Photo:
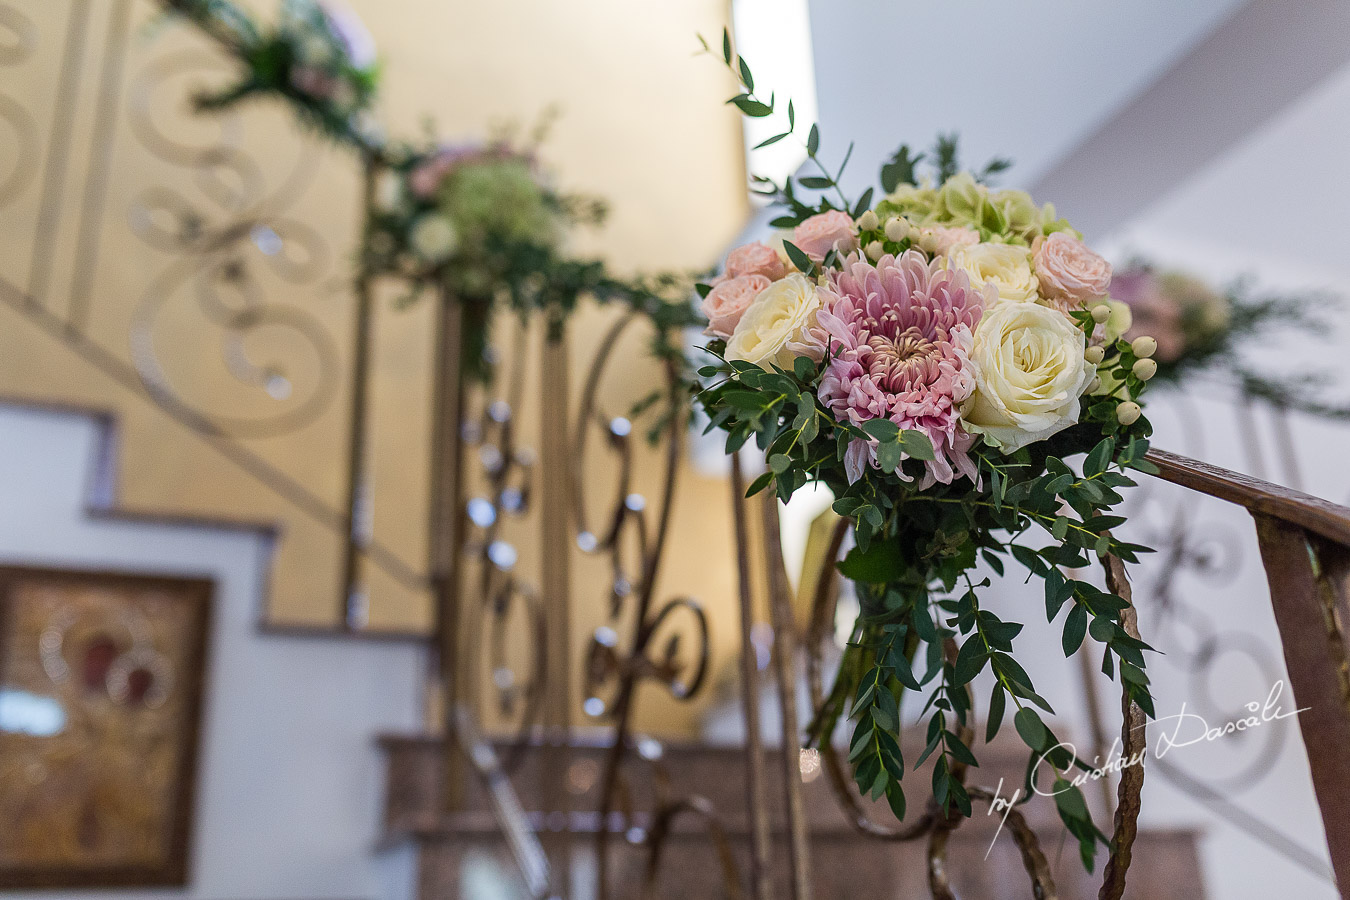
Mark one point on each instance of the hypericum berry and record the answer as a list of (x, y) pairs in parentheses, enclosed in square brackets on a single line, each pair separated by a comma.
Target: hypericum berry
[(1128, 412), (897, 229), (868, 221), (875, 251), (1100, 313), (1144, 347), (1144, 369), (1095, 355)]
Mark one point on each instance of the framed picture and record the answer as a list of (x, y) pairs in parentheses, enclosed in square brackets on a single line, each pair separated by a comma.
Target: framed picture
[(101, 680)]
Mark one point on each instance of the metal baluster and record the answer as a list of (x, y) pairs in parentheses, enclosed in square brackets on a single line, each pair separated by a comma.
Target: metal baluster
[(358, 488), (757, 807), (785, 655)]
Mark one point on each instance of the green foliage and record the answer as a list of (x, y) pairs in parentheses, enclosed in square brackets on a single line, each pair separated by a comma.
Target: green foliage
[(300, 59)]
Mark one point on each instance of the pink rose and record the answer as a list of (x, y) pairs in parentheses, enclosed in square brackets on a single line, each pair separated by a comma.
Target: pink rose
[(755, 259), (823, 232), (425, 178), (1069, 271), (728, 301)]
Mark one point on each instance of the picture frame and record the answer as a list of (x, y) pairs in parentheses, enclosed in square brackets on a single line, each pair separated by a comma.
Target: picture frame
[(102, 679)]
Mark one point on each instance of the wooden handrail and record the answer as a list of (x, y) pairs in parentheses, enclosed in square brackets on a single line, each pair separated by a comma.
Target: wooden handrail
[(1321, 517), (1305, 550)]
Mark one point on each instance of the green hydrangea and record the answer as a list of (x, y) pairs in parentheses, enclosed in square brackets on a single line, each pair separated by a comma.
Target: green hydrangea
[(500, 197)]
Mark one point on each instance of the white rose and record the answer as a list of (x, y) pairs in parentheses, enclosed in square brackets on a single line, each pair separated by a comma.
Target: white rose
[(433, 237), (775, 329), (1029, 375), (1005, 266)]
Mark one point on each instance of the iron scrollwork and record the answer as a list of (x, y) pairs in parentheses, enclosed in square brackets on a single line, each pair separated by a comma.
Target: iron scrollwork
[(219, 242), (633, 539), (507, 473), (18, 40)]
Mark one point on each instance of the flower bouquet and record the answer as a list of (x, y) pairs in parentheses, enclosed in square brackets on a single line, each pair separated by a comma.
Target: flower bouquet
[(319, 56), (947, 363), (1199, 328), (479, 222)]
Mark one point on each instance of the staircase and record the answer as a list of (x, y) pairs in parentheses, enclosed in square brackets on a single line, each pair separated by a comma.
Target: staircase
[(160, 267), (462, 854)]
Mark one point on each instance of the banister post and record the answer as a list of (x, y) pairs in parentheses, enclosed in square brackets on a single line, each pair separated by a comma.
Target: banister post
[(1309, 583), (446, 529)]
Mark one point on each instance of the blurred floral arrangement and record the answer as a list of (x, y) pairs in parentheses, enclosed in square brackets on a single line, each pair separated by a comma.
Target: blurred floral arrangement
[(480, 224), (1200, 329), (482, 221), (319, 57), (935, 359)]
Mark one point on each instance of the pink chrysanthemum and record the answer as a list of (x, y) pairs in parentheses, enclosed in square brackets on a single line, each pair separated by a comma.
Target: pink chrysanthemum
[(899, 335)]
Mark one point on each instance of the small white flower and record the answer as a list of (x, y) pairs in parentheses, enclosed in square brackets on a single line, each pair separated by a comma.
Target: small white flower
[(434, 238), (315, 50), (389, 192)]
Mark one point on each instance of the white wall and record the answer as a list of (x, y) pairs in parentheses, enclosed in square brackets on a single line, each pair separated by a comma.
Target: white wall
[(1024, 79), (1269, 209), (290, 781)]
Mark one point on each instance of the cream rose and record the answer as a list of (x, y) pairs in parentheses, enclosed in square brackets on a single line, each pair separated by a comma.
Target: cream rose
[(728, 301), (755, 259), (1069, 271), (776, 327), (824, 232), (1005, 266), (1030, 372)]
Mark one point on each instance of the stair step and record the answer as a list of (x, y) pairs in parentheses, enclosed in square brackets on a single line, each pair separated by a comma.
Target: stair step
[(454, 864), (467, 844)]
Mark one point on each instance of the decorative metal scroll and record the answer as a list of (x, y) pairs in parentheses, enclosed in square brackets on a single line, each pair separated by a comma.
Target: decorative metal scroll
[(933, 825), (221, 239), (501, 595), (231, 255), (18, 40), (634, 542)]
